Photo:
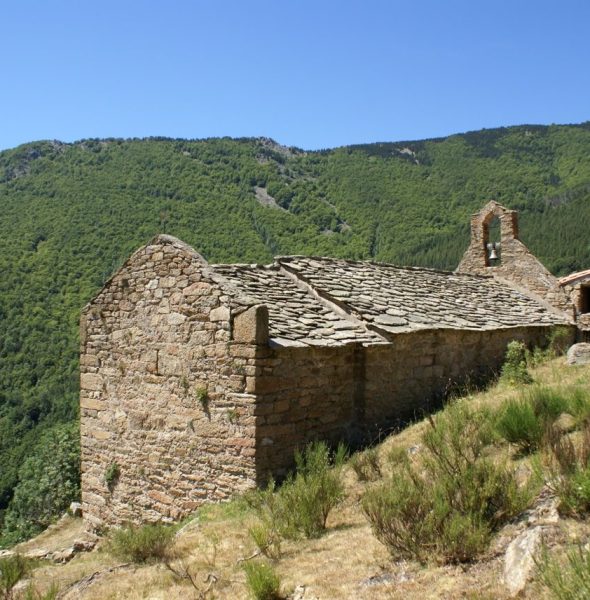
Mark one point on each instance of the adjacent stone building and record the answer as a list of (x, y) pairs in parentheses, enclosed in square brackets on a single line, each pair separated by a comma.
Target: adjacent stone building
[(577, 287), (199, 381)]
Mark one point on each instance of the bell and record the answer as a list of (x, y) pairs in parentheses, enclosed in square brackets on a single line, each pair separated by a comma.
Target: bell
[(493, 254)]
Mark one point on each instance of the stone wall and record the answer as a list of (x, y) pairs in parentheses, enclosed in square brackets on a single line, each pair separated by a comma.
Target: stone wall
[(578, 293), (163, 392), (517, 265), (356, 392), (183, 399)]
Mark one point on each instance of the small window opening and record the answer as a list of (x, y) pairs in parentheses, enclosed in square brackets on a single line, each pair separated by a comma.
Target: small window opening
[(492, 237), (585, 299)]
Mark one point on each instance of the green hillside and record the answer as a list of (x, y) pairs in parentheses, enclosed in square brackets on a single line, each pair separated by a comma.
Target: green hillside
[(71, 213)]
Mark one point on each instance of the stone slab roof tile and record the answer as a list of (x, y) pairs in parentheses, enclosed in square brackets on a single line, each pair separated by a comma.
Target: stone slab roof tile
[(296, 316), (402, 299)]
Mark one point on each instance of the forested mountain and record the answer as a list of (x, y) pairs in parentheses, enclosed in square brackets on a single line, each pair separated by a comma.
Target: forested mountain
[(71, 213)]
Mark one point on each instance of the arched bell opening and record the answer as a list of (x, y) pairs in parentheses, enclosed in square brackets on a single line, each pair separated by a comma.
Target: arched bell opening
[(492, 240)]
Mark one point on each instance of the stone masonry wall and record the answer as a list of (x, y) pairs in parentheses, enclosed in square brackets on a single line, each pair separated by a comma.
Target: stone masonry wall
[(350, 392), (303, 394), (163, 392), (577, 293), (518, 265)]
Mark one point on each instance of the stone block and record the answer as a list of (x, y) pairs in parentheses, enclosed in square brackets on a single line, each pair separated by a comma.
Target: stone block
[(98, 434), (92, 403), (175, 318), (160, 497), (220, 313), (91, 381), (251, 326)]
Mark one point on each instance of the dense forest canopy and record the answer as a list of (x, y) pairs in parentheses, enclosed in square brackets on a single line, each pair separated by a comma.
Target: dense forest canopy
[(71, 213)]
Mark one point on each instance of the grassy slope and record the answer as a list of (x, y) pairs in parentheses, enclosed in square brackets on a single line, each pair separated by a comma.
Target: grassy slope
[(338, 565)]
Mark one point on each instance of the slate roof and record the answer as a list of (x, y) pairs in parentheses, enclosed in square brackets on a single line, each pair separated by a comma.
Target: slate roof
[(296, 316), (324, 301)]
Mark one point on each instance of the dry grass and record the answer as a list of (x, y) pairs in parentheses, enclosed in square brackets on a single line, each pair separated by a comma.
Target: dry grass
[(56, 537), (345, 563)]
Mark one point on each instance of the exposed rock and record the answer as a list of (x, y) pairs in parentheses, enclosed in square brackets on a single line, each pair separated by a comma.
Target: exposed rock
[(302, 593), (266, 199), (565, 423), (519, 560), (579, 354), (63, 556), (75, 509)]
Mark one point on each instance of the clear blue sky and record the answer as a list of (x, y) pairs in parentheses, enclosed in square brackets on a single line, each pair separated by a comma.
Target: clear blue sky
[(309, 73)]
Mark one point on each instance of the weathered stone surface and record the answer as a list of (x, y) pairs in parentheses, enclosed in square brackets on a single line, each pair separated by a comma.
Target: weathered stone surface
[(579, 354), (295, 315), (157, 382), (519, 560), (395, 299), (251, 326), (219, 314), (90, 381), (75, 509)]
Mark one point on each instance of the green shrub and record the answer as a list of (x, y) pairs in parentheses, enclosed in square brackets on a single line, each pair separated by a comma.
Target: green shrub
[(366, 465), (111, 475), (525, 421), (300, 507), (314, 490), (49, 480), (570, 472), (518, 424), (262, 581), (270, 510), (578, 403), (447, 507), (569, 581), (514, 369), (12, 570), (143, 544)]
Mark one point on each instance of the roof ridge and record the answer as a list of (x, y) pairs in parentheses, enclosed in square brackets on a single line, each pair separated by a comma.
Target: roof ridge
[(286, 257), (328, 300)]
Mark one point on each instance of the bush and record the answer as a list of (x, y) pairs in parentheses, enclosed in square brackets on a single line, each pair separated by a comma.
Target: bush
[(526, 421), (314, 490), (366, 465), (269, 531), (514, 369), (49, 480), (578, 403), (144, 544), (448, 507), (518, 424), (300, 507), (566, 582), (559, 340), (570, 472), (262, 581), (12, 570)]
